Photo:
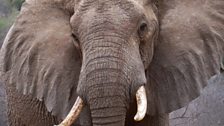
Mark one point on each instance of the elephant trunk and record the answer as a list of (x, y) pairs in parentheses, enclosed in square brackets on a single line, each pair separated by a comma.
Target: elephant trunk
[(110, 115), (104, 81), (107, 103), (107, 92)]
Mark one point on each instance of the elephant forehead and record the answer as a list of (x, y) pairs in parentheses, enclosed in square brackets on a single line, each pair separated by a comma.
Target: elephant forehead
[(102, 7), (114, 15)]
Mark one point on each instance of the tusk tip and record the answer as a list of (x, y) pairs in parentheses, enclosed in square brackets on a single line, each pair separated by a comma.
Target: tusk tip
[(138, 118)]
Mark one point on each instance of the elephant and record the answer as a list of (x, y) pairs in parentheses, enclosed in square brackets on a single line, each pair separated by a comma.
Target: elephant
[(106, 60)]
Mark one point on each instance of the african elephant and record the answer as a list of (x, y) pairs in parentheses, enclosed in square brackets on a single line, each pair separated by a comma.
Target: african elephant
[(117, 57)]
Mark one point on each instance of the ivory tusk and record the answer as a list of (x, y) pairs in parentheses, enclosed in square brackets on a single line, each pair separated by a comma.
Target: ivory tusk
[(141, 104), (73, 114)]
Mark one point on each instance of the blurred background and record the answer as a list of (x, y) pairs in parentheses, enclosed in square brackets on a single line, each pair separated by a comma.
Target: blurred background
[(9, 9), (207, 110)]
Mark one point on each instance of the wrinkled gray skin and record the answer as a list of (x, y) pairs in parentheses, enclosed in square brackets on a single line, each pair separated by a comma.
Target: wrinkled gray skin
[(103, 51)]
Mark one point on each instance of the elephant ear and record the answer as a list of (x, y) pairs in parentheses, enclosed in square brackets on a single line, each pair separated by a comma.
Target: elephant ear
[(39, 57), (188, 53)]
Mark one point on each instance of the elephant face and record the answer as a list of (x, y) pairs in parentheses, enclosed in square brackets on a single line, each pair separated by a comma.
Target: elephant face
[(116, 43), (112, 36), (104, 52)]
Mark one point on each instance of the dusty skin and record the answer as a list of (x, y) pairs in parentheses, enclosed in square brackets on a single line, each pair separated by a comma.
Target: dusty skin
[(103, 51)]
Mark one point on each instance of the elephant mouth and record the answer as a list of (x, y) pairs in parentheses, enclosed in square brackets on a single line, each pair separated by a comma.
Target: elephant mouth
[(79, 104)]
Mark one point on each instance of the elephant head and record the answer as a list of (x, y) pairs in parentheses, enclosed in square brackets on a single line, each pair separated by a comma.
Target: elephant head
[(105, 52)]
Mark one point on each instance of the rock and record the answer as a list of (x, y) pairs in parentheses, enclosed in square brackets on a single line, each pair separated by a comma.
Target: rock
[(207, 110)]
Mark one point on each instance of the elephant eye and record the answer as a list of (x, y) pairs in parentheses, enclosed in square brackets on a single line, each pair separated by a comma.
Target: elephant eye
[(142, 30), (143, 27)]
